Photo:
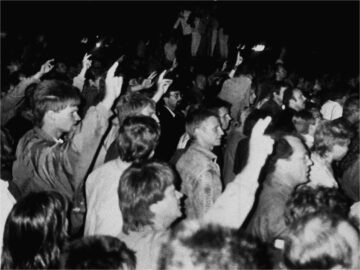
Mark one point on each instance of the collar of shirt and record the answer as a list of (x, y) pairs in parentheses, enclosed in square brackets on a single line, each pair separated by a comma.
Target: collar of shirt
[(171, 112), (47, 137), (204, 151)]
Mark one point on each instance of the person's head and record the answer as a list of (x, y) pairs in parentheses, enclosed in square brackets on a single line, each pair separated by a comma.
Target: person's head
[(222, 109), (279, 89), (35, 232), (302, 121), (138, 138), (290, 159), (56, 104), (207, 247), (294, 99), (147, 196), (305, 200), (252, 119), (98, 252), (200, 81), (332, 139), (204, 127), (322, 240), (351, 109), (280, 72), (173, 96), (135, 104)]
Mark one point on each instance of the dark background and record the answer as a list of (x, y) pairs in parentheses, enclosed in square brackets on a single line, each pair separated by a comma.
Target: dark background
[(327, 32)]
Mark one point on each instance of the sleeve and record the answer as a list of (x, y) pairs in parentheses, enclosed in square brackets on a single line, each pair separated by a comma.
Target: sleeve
[(205, 193), (13, 100), (234, 204)]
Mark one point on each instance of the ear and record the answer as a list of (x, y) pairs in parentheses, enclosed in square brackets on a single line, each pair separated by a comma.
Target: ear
[(50, 116)]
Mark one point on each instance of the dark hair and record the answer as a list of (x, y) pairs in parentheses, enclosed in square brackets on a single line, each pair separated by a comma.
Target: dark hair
[(98, 252), (138, 138), (140, 186), (317, 241), (131, 104), (53, 95), (351, 106), (212, 247), (288, 95), (302, 121), (305, 200), (281, 150), (35, 232), (215, 104), (195, 118), (252, 119)]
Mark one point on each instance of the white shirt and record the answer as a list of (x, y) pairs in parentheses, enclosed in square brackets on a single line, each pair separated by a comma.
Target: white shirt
[(331, 110), (103, 211)]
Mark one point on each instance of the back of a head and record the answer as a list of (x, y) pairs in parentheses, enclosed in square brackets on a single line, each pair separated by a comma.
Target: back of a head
[(98, 252), (207, 247), (322, 240), (53, 95), (195, 119), (306, 200), (132, 104), (35, 232), (138, 138), (140, 186)]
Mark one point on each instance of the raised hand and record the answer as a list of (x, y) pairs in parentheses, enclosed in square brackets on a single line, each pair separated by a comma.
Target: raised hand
[(260, 145), (86, 62), (163, 84), (239, 59), (113, 86), (149, 81), (45, 68), (183, 141)]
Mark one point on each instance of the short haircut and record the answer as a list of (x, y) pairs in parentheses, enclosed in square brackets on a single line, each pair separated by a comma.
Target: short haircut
[(138, 138), (305, 200), (53, 95), (211, 247), (142, 185), (35, 232), (215, 104), (132, 104), (194, 120), (302, 121), (330, 133), (277, 85), (98, 252), (317, 241), (281, 150), (288, 95)]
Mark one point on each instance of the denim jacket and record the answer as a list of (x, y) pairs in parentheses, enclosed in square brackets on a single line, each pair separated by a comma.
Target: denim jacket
[(201, 182)]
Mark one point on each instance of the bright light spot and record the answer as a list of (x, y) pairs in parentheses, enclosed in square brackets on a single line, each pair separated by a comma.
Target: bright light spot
[(98, 44), (258, 48)]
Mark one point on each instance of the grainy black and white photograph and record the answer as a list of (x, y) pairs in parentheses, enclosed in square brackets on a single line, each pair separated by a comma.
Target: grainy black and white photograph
[(180, 135)]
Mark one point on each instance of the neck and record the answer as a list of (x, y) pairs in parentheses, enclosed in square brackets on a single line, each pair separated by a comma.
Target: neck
[(328, 160), (51, 131), (283, 177), (204, 145)]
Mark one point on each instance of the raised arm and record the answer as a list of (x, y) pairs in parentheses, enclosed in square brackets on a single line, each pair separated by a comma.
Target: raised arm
[(162, 87), (79, 80), (235, 203), (13, 99), (238, 62)]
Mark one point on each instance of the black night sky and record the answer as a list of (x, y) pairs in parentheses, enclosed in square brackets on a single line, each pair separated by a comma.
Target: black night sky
[(312, 27)]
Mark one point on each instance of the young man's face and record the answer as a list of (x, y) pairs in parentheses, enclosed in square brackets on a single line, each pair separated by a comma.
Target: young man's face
[(67, 118), (210, 132), (298, 100), (169, 208), (279, 97)]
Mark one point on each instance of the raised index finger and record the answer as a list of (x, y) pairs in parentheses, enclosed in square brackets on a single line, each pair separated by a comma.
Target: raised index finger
[(111, 71), (261, 126)]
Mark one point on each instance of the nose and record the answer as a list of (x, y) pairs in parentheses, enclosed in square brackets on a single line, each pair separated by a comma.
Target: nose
[(76, 117), (221, 132)]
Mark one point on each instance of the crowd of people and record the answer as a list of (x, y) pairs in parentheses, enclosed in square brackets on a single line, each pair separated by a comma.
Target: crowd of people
[(177, 157)]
